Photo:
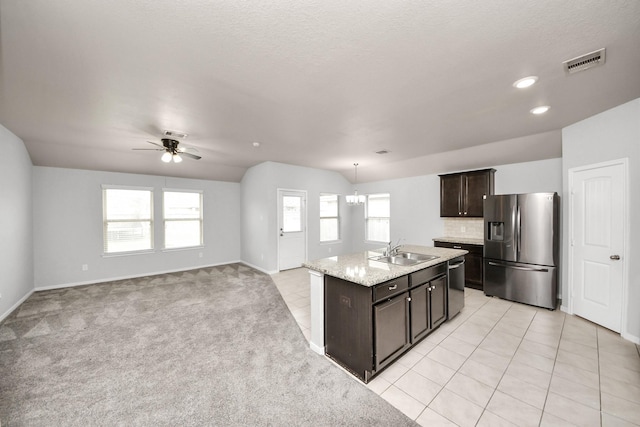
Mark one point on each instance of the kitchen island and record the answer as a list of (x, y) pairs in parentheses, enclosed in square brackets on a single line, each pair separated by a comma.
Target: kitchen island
[(366, 312)]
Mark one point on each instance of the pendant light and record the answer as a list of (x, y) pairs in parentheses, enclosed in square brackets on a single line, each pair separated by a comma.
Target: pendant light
[(355, 199)]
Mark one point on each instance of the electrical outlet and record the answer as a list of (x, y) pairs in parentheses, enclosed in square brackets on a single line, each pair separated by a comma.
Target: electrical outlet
[(464, 229), (199, 254), (329, 250), (85, 267)]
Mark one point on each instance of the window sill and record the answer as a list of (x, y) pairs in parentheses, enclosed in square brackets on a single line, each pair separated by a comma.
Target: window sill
[(186, 248), (121, 254)]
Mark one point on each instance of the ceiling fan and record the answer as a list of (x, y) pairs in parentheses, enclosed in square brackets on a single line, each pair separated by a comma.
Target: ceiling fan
[(172, 151)]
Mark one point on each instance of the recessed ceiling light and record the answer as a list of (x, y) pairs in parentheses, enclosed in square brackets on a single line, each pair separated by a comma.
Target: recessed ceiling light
[(256, 144), (525, 82), (540, 110)]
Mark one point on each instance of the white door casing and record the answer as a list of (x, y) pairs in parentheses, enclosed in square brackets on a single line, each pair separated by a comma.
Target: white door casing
[(292, 228), (597, 222)]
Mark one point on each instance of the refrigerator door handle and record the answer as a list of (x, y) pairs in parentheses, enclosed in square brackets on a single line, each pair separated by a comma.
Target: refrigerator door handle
[(495, 264), (518, 225)]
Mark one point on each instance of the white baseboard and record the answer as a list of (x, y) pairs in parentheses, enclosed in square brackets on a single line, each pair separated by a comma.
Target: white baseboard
[(634, 339), (15, 306), (133, 276), (627, 336), (316, 349), (260, 268)]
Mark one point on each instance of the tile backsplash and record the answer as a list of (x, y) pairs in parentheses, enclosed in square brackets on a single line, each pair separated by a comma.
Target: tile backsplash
[(471, 228)]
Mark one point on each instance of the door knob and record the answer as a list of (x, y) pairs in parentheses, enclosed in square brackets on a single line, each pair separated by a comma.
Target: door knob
[(615, 257)]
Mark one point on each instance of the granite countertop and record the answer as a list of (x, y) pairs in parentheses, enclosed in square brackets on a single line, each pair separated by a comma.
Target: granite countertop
[(359, 268), (463, 240)]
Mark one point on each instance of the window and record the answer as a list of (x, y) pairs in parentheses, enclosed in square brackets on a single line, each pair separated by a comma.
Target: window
[(182, 219), (378, 212), (291, 214), (329, 218), (127, 219)]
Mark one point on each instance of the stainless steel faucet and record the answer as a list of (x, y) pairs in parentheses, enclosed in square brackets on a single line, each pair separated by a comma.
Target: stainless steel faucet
[(392, 250)]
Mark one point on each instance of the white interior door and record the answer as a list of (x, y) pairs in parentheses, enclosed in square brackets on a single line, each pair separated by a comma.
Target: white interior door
[(292, 229), (597, 223)]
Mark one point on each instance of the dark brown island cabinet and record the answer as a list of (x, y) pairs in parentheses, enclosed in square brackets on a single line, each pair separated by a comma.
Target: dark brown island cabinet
[(462, 194), (367, 328), (473, 262)]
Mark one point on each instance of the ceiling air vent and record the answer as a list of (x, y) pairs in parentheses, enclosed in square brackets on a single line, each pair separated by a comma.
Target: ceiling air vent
[(383, 152), (584, 62)]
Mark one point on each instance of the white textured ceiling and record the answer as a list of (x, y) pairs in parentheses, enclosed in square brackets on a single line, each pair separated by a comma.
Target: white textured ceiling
[(320, 83)]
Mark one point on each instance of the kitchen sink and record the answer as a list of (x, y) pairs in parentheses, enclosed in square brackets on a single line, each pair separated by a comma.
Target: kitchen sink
[(405, 258), (417, 257)]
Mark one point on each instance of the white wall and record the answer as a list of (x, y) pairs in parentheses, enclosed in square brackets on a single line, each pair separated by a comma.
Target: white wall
[(541, 176), (16, 237), (68, 227), (415, 211), (259, 209), (611, 135)]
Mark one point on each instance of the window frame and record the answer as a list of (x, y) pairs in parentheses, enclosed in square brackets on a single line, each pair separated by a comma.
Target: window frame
[(165, 220), (336, 217), (106, 221), (367, 218)]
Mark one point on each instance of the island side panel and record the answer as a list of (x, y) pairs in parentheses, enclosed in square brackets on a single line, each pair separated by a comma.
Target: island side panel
[(349, 325), (316, 283)]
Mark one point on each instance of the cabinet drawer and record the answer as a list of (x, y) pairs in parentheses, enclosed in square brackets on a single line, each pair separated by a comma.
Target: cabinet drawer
[(474, 249), (392, 287), (427, 274)]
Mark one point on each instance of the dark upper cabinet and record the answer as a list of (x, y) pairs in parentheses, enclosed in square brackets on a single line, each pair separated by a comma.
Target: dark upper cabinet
[(462, 194)]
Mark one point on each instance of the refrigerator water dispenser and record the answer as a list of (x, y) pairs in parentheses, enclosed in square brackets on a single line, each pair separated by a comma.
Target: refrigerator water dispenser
[(496, 231)]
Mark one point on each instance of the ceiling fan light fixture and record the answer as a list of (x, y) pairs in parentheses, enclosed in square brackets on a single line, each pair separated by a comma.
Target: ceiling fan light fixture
[(177, 158), (166, 157)]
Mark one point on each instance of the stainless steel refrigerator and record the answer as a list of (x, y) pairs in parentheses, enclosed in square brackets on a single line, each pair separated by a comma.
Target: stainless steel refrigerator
[(521, 237)]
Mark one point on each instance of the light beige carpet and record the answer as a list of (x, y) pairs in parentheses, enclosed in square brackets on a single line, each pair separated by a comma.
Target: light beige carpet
[(213, 346)]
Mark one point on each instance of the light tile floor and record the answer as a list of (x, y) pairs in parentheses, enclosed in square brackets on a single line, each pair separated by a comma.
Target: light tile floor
[(500, 363)]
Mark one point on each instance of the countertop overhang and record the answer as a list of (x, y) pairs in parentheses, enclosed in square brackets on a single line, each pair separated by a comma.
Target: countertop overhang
[(361, 269), (462, 240)]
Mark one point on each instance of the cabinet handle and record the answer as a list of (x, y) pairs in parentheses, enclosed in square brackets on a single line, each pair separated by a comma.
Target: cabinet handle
[(391, 288), (409, 299), (457, 247), (434, 288)]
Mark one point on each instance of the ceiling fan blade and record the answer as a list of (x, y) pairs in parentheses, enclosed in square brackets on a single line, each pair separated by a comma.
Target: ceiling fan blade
[(192, 156), (187, 149), (161, 146), (148, 149)]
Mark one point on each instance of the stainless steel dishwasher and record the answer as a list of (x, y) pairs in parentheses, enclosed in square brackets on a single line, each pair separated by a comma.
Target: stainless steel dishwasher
[(455, 286)]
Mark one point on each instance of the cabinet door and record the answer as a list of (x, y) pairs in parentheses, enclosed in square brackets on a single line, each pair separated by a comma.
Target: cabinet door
[(450, 197), (473, 270), (419, 312), (438, 297), (475, 187), (391, 324)]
